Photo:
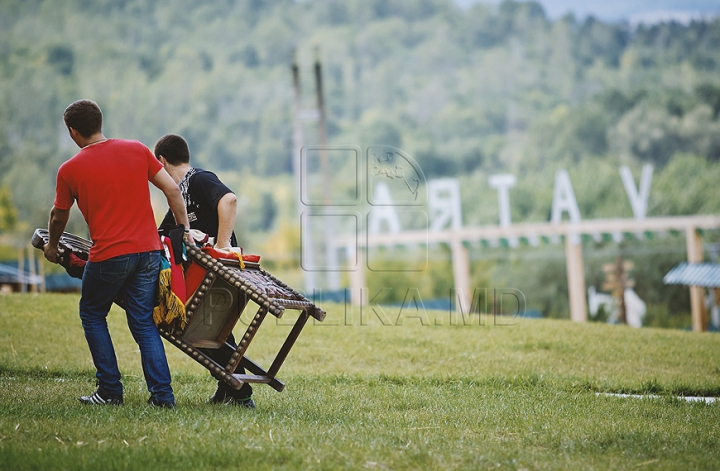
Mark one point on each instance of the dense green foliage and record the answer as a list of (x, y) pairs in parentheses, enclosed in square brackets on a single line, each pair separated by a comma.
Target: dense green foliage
[(519, 395), (467, 92)]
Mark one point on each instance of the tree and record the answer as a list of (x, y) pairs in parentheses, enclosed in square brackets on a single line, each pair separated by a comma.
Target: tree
[(8, 211)]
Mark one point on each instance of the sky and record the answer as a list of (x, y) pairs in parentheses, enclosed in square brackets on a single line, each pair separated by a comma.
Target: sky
[(633, 11)]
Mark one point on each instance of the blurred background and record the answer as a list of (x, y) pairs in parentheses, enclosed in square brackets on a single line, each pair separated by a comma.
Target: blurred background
[(469, 89)]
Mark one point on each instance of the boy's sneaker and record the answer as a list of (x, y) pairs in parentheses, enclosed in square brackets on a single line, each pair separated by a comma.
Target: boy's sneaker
[(165, 405), (247, 402), (101, 398), (221, 398)]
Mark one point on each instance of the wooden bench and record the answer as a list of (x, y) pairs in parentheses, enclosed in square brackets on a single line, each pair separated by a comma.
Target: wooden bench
[(214, 308)]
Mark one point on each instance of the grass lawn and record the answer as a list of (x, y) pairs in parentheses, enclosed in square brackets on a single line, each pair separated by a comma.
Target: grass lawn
[(411, 396)]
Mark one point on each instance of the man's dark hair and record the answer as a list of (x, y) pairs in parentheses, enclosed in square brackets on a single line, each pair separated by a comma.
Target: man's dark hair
[(84, 116), (173, 148)]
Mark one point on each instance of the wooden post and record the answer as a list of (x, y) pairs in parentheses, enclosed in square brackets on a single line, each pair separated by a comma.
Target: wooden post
[(298, 140), (621, 285), (331, 258), (697, 298), (31, 268), (357, 279), (21, 269), (41, 272), (716, 305), (461, 276), (576, 278)]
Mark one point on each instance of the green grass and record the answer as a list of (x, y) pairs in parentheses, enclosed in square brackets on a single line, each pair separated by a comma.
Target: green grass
[(518, 396)]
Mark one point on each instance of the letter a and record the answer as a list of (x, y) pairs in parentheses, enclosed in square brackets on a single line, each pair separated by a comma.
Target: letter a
[(564, 199), (384, 213)]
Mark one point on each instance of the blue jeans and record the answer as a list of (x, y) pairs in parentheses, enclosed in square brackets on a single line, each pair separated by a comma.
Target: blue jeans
[(133, 277)]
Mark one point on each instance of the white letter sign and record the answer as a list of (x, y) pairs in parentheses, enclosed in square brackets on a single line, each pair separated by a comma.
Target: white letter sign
[(444, 204), (638, 199), (384, 212), (503, 183), (564, 199)]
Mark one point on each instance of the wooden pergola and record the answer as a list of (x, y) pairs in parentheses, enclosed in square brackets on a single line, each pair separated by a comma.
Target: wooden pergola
[(572, 234)]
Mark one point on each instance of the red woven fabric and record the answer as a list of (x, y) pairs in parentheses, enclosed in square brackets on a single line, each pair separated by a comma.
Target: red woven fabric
[(76, 261), (193, 277), (195, 273), (219, 253)]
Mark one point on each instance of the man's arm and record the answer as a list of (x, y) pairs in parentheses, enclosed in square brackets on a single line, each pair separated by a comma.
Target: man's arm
[(167, 223), (164, 182), (56, 226), (227, 212)]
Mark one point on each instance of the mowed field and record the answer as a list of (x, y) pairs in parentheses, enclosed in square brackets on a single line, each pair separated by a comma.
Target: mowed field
[(422, 393)]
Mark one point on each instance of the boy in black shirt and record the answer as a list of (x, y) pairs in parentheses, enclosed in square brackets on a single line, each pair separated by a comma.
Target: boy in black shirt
[(211, 208)]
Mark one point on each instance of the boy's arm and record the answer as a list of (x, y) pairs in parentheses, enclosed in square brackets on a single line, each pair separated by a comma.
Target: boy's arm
[(227, 212)]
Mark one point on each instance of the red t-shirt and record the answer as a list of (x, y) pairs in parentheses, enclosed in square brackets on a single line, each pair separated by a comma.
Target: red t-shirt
[(109, 180)]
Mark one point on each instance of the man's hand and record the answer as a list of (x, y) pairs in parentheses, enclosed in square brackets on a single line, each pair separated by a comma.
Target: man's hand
[(51, 253)]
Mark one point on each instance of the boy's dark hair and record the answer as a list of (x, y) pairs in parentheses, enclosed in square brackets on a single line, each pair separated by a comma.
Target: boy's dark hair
[(84, 116), (173, 148)]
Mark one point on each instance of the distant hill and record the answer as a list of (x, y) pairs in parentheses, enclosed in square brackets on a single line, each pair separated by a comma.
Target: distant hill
[(466, 91)]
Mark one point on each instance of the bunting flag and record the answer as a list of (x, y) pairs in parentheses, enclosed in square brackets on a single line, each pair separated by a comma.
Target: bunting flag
[(586, 238)]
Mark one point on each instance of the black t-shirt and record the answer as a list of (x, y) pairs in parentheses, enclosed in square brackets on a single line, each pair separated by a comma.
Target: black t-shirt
[(203, 194)]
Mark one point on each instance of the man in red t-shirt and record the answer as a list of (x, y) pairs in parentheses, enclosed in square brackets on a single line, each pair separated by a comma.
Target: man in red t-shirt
[(109, 180)]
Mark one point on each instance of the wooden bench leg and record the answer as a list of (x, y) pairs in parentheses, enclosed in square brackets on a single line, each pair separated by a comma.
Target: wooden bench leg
[(246, 339), (292, 337), (215, 368)]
